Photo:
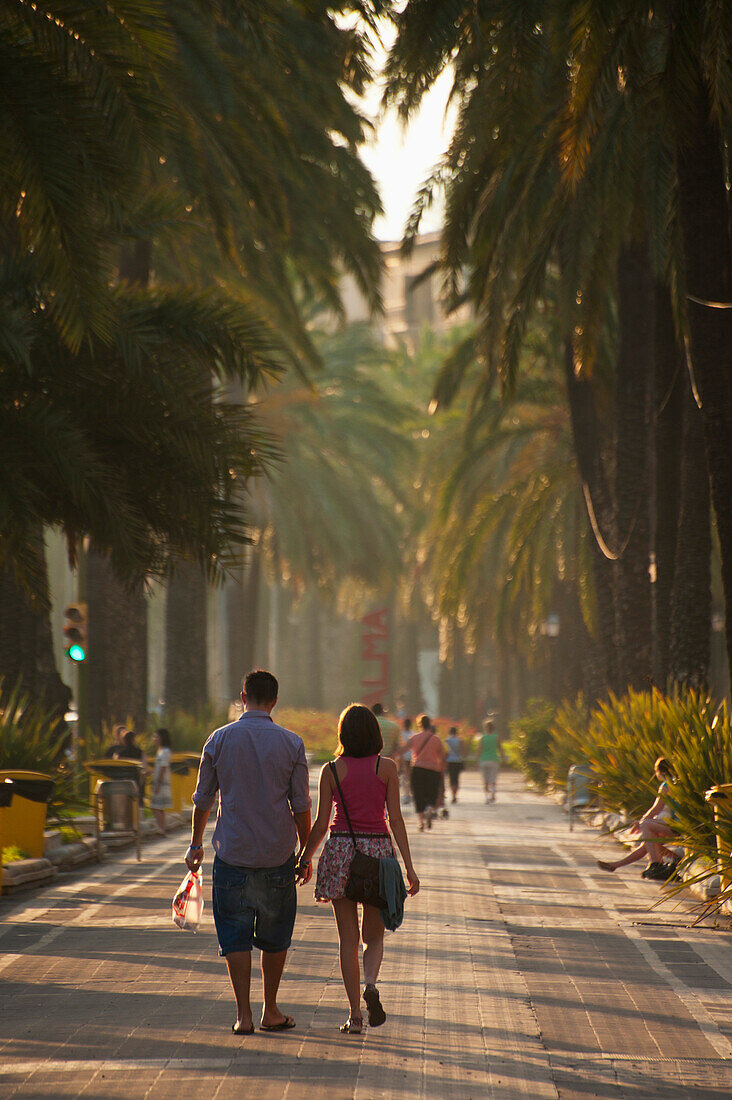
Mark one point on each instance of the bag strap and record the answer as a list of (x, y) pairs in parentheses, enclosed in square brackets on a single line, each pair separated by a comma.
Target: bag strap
[(343, 803)]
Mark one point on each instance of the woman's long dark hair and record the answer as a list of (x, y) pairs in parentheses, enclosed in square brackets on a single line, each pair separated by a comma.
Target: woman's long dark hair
[(359, 734)]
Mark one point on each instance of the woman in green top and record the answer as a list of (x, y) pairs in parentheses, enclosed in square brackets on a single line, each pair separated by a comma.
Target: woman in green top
[(487, 759)]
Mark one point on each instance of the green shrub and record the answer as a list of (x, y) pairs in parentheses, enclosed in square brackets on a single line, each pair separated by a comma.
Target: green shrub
[(568, 740), (31, 738), (622, 738), (530, 744), (12, 854)]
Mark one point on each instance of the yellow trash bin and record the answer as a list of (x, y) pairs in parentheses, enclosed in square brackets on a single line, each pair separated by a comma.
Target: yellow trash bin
[(183, 776), (721, 799), (6, 797), (25, 817)]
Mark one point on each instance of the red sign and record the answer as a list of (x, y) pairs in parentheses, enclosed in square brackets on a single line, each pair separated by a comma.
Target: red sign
[(375, 651)]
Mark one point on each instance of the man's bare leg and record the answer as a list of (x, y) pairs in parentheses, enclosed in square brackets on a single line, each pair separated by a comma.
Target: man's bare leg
[(273, 963), (240, 974)]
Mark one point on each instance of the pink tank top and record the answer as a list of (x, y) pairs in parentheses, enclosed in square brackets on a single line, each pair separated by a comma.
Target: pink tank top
[(365, 795)]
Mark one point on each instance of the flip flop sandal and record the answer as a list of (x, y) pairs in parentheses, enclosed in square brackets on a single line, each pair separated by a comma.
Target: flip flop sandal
[(352, 1026), (286, 1024), (242, 1030), (377, 1016)]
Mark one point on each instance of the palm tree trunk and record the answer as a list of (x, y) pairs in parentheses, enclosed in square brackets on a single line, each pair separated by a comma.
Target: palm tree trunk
[(26, 644), (704, 207), (242, 615), (670, 383), (117, 669), (315, 653), (413, 700), (691, 601), (635, 365), (587, 438), (117, 662), (186, 664)]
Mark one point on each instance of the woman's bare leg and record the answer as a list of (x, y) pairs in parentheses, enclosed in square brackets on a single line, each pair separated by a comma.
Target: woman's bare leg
[(372, 934), (346, 915), (650, 846), (653, 832)]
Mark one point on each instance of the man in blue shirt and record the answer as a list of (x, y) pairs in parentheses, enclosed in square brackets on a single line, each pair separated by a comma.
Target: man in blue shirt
[(260, 773)]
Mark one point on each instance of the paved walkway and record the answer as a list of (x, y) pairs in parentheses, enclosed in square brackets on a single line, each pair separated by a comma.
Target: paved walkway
[(520, 971)]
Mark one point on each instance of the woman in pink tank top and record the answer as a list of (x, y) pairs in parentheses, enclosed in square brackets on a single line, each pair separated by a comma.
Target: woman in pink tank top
[(369, 785)]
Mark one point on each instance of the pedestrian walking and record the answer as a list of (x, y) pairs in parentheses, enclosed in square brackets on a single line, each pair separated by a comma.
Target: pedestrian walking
[(455, 762), (653, 828), (428, 764), (488, 758), (364, 785), (160, 793), (260, 773)]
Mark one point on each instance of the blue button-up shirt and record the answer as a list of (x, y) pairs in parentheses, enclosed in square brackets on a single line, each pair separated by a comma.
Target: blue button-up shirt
[(261, 774)]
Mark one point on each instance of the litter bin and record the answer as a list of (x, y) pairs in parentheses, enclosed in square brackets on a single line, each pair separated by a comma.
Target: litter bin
[(579, 790), (105, 768), (117, 805), (116, 799), (721, 799), (6, 797), (183, 776), (25, 817), (117, 811)]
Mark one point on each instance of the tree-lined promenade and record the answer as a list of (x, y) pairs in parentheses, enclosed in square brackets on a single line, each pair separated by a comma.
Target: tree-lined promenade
[(540, 498), (520, 971)]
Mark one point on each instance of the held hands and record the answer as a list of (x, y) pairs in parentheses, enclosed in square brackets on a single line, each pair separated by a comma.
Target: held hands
[(303, 872), (194, 857)]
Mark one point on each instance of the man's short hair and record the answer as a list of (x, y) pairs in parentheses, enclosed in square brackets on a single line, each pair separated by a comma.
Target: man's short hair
[(261, 687), (378, 709)]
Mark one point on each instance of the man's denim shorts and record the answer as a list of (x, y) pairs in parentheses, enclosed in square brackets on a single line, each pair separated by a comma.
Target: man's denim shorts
[(254, 906)]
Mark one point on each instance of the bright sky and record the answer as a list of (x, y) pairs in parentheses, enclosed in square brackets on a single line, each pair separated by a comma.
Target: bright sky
[(401, 159)]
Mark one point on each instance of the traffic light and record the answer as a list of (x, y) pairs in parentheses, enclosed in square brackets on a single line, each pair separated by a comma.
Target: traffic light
[(75, 632)]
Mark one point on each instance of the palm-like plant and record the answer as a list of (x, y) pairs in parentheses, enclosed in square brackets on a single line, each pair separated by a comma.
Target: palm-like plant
[(563, 159), (507, 544), (327, 512)]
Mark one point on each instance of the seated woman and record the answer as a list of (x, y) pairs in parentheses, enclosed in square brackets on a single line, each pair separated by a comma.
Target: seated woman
[(653, 829)]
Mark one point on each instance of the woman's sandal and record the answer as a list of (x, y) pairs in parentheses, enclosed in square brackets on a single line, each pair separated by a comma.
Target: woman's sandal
[(377, 1016), (352, 1026)]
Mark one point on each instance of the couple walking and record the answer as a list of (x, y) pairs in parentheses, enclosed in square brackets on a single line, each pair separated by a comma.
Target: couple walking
[(260, 772)]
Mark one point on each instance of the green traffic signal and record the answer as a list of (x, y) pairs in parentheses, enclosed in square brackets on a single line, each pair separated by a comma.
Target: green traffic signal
[(75, 632)]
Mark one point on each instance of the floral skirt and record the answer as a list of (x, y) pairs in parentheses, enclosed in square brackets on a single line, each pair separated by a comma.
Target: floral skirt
[(336, 857)]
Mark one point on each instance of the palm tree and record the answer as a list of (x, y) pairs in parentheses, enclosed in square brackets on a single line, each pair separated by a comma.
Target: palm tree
[(507, 545), (543, 175), (327, 518), (114, 139)]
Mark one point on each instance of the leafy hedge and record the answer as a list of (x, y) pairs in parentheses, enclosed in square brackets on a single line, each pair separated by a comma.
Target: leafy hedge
[(530, 746), (620, 739)]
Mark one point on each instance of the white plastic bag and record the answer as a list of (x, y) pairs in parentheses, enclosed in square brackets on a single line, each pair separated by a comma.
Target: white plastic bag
[(188, 902)]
